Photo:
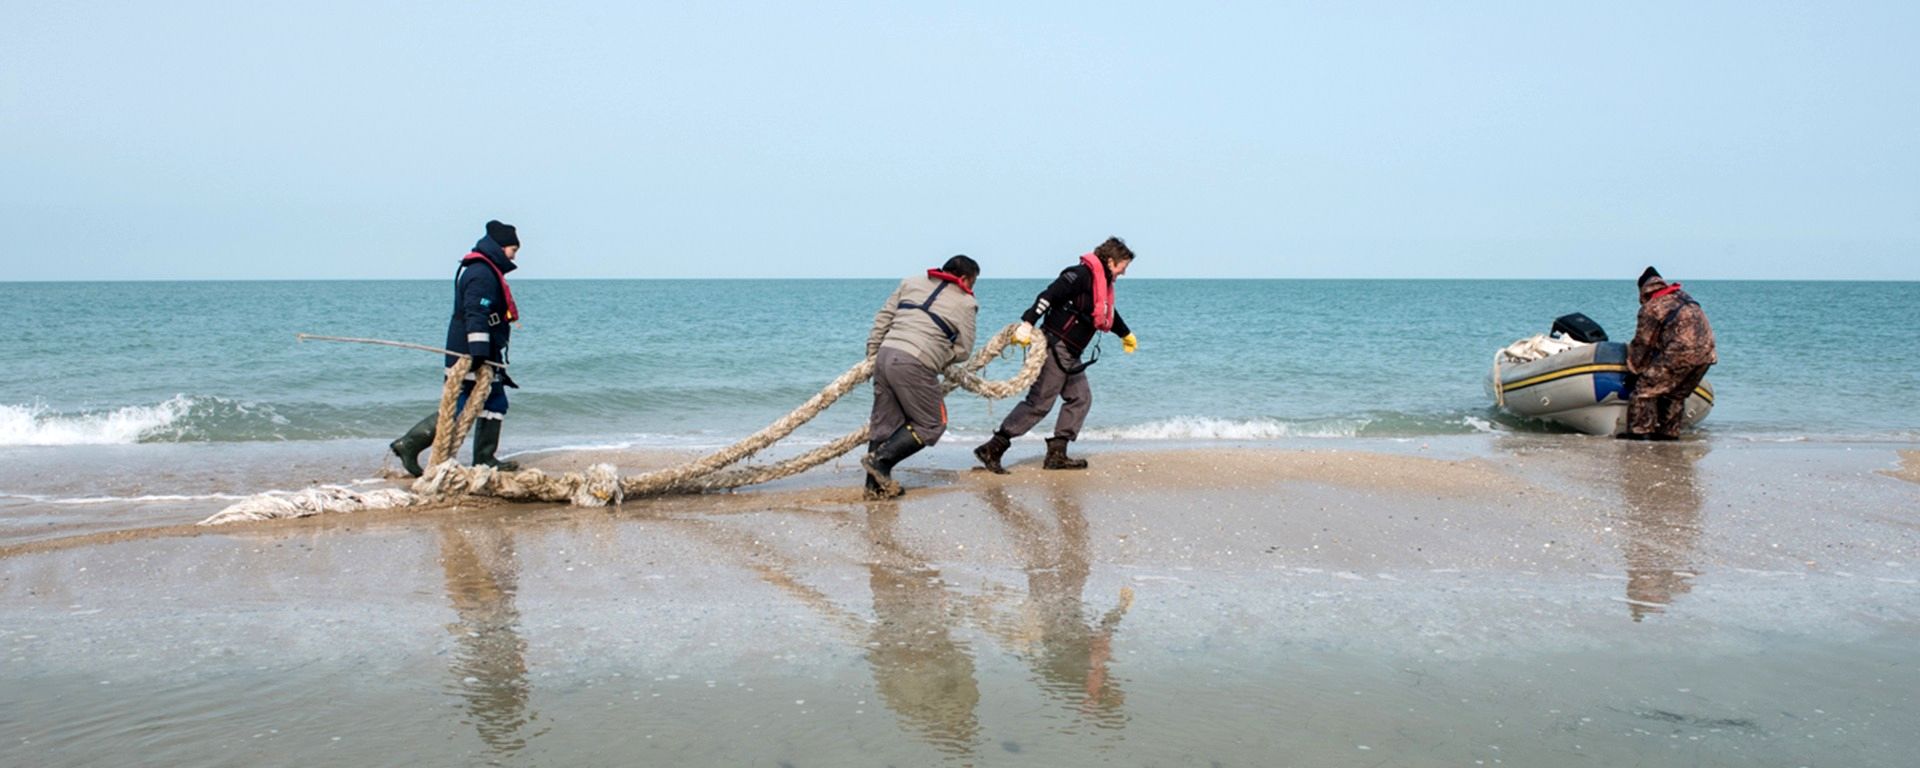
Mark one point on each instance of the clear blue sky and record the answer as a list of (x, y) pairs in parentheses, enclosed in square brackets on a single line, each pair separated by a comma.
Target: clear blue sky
[(721, 139)]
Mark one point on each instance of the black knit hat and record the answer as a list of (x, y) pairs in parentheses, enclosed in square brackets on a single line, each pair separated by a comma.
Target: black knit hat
[(502, 235), (1650, 274)]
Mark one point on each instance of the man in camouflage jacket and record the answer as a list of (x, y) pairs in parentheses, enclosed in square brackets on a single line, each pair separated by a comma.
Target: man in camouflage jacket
[(1670, 353)]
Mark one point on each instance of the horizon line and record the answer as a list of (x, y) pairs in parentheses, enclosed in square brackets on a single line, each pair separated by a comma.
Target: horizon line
[(1143, 278)]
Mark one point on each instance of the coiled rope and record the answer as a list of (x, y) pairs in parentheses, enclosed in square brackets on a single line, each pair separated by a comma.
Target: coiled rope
[(601, 484)]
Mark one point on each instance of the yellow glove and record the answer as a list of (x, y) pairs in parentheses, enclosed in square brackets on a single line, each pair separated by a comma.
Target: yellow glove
[(1023, 335), (1130, 343)]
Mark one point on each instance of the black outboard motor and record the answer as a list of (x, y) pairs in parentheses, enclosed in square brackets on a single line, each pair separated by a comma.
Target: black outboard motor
[(1579, 327)]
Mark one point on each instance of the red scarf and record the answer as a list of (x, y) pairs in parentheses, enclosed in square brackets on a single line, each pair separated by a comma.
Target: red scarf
[(1102, 293), (1664, 291), (951, 278), (513, 310)]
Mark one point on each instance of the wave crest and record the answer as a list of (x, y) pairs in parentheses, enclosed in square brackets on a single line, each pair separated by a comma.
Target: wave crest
[(181, 418), (1206, 428), (36, 424)]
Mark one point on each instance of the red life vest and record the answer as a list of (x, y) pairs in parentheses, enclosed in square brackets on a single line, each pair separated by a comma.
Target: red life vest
[(951, 278), (1102, 293), (513, 310)]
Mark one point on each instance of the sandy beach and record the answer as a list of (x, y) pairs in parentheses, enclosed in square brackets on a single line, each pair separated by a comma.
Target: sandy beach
[(1519, 599)]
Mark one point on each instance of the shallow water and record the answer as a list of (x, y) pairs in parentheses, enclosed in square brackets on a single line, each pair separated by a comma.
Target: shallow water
[(652, 362), (1691, 604)]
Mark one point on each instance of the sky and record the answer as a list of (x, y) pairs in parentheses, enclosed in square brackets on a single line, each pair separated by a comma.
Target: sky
[(349, 140)]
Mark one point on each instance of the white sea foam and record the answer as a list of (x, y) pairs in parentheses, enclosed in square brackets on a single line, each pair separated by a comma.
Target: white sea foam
[(150, 498), (36, 424), (1204, 428)]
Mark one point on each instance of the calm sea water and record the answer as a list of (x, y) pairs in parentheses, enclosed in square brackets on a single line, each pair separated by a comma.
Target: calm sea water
[(639, 362)]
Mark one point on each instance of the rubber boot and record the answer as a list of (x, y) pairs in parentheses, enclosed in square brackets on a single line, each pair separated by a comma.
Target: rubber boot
[(873, 490), (1057, 457), (989, 452), (880, 463), (409, 446), (486, 440)]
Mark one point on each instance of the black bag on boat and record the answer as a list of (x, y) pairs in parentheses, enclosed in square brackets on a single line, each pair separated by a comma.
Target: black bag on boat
[(1579, 327)]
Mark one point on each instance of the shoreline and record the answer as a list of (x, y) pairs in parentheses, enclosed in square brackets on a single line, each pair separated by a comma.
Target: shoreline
[(1443, 465), (1562, 600)]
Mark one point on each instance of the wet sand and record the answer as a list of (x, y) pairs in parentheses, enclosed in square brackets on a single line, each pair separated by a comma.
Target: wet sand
[(1522, 600), (1909, 467)]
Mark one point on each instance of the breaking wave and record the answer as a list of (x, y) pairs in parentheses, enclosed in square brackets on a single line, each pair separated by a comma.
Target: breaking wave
[(181, 418), (1205, 428), (37, 424), (1373, 424)]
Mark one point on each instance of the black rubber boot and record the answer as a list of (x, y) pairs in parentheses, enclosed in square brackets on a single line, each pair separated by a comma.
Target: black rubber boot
[(409, 446), (989, 452), (1057, 457), (486, 440), (874, 491), (880, 463)]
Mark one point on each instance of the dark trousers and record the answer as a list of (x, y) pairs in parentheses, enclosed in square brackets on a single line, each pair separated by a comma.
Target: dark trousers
[(1076, 397), (905, 392), (496, 405)]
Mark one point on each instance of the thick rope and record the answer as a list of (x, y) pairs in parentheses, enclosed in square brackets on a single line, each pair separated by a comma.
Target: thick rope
[(450, 430), (958, 376), (601, 485), (703, 474)]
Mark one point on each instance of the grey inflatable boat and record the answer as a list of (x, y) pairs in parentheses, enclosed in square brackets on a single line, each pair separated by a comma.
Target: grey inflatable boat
[(1573, 377)]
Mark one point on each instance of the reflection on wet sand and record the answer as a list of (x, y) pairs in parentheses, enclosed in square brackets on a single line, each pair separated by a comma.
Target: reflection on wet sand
[(490, 665), (922, 673), (1072, 655), (1662, 496)]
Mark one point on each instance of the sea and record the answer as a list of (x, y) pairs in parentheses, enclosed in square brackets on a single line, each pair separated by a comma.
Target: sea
[(696, 363), (1431, 584)]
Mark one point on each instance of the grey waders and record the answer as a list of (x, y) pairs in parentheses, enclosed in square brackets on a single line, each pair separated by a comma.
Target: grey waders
[(880, 463)]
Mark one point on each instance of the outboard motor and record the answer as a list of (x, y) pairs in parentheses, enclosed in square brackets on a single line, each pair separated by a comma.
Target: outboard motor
[(1579, 327)]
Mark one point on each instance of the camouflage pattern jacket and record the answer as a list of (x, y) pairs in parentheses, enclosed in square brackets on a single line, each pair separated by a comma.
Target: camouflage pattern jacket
[(1672, 333)]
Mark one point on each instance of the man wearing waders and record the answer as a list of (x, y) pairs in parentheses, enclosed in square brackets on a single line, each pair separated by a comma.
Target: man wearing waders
[(483, 314), (1672, 349), (1077, 305), (925, 326)]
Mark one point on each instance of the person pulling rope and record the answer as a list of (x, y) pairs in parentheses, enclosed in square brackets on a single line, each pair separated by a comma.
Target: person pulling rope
[(601, 485)]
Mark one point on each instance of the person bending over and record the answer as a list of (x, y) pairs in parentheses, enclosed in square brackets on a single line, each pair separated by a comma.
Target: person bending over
[(1672, 349), (926, 325)]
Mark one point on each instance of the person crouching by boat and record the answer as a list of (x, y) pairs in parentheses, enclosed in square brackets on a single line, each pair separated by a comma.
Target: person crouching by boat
[(925, 326), (1670, 353), (482, 324), (1076, 306)]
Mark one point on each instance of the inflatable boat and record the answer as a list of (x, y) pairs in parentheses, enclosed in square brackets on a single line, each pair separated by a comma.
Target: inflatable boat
[(1574, 377)]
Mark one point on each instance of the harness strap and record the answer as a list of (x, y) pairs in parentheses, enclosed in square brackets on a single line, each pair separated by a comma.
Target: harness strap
[(953, 336), (1675, 312)]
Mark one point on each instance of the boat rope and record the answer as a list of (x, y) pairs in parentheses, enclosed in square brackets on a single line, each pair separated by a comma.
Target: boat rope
[(601, 484)]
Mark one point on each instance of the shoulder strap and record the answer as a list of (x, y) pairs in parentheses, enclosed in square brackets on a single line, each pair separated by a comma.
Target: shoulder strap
[(1675, 312), (952, 335)]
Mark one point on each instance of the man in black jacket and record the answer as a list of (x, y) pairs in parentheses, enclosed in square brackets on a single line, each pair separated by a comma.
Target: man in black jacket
[(482, 324), (1077, 305)]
